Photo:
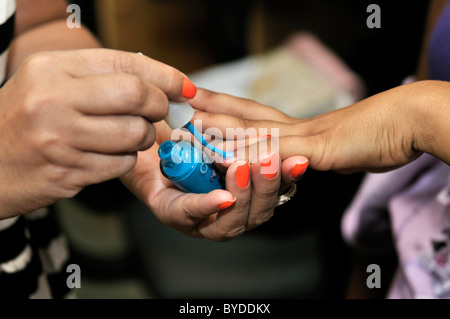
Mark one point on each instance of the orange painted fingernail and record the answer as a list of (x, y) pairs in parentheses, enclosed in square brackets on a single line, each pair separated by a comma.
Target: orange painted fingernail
[(226, 204), (269, 166), (299, 169), (243, 175), (189, 90)]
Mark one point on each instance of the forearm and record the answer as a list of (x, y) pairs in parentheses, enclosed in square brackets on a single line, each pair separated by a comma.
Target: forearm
[(53, 35), (430, 108), (384, 131)]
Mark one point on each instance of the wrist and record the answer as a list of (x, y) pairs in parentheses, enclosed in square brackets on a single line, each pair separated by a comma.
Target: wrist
[(429, 110), (411, 109)]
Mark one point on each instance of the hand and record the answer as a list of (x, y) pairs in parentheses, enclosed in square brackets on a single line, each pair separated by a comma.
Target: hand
[(375, 134), (69, 119), (248, 201)]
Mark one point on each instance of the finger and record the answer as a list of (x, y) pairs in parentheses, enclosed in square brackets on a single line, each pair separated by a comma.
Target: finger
[(302, 149), (96, 168), (323, 155), (119, 94), (231, 221), (191, 214), (266, 178), (292, 139), (105, 61), (285, 146), (113, 134), (247, 148), (195, 214), (244, 150), (213, 102), (231, 127), (250, 149), (293, 168)]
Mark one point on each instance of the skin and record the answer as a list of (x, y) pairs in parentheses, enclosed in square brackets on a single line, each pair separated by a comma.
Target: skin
[(71, 118), (377, 134), (61, 135), (197, 215), (380, 133), (73, 114)]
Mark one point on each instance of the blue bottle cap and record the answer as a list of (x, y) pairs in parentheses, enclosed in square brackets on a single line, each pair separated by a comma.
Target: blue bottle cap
[(178, 159)]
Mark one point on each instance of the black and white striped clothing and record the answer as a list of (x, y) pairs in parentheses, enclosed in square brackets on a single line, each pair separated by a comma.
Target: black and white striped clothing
[(33, 257), (33, 252)]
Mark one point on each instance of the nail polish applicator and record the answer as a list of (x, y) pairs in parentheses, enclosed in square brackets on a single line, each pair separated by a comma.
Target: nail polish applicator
[(182, 162), (179, 115)]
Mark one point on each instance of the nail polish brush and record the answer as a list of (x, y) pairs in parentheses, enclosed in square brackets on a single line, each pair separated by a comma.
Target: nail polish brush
[(180, 115)]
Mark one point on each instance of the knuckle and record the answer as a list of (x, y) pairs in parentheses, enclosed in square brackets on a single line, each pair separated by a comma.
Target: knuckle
[(138, 131), (59, 175), (246, 124), (174, 74), (171, 79), (270, 192), (205, 117), (134, 90), (228, 235), (248, 102), (69, 192), (47, 142), (151, 137), (160, 103), (208, 94), (40, 96), (39, 61), (123, 63), (188, 216), (36, 101), (127, 163), (261, 219), (101, 171)]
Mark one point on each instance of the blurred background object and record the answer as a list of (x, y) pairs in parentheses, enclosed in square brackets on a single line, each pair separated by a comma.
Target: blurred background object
[(240, 47)]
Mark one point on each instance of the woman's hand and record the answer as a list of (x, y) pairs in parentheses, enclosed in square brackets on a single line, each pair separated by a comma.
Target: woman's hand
[(251, 194), (379, 133)]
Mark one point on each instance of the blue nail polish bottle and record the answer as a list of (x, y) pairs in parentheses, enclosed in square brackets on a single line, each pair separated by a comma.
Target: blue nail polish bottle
[(183, 164)]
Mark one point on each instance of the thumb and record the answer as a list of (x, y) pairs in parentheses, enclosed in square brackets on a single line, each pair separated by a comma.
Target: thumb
[(187, 211)]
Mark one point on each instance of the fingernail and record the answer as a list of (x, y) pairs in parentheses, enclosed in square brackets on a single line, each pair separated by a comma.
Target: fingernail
[(269, 166), (243, 175), (226, 204), (189, 90), (299, 169)]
